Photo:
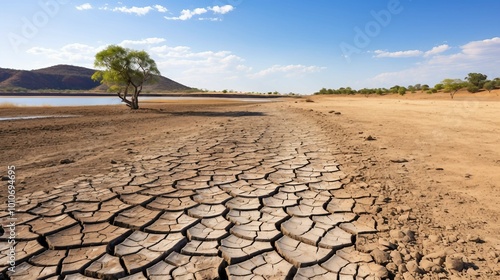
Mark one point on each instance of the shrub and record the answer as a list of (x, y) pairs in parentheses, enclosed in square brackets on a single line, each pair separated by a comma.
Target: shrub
[(489, 86), (472, 88)]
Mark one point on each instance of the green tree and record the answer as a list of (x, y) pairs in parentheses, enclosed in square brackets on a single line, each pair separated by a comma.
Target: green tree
[(439, 86), (402, 90), (425, 87), (394, 89), (453, 85), (476, 79), (496, 82), (489, 86), (472, 88), (125, 70)]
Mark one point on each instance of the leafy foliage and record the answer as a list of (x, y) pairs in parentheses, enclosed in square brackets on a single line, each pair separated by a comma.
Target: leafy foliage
[(476, 79), (489, 86), (453, 85), (125, 70)]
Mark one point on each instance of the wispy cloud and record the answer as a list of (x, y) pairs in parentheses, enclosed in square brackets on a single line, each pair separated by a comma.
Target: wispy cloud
[(216, 10), (288, 70), (138, 11), (74, 53), (188, 14), (160, 8), (83, 7), (410, 53), (199, 68), (475, 56), (147, 41), (437, 50)]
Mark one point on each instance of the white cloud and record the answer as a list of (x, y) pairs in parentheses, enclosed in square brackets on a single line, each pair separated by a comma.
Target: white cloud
[(160, 8), (140, 11), (410, 53), (217, 10), (221, 10), (188, 14), (476, 56), (212, 69), (71, 53), (437, 50), (83, 7), (288, 70), (210, 19), (147, 41)]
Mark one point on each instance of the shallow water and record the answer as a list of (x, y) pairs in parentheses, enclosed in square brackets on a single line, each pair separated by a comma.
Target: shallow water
[(36, 117), (96, 100)]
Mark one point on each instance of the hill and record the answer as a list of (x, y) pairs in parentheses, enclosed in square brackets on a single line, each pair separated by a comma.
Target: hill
[(69, 77)]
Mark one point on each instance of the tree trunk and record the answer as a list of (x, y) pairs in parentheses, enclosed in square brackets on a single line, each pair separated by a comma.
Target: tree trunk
[(135, 101)]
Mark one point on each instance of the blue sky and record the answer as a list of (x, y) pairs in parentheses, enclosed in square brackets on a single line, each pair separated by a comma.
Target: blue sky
[(264, 45)]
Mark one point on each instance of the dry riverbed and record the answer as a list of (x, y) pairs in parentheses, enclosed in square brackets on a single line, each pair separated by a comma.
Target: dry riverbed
[(255, 189)]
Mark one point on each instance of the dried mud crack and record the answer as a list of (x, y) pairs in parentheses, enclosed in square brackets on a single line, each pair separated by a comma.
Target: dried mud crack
[(261, 197)]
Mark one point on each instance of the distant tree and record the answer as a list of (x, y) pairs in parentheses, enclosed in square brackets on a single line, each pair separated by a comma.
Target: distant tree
[(453, 85), (394, 89), (425, 87), (418, 86), (438, 86), (224, 91), (402, 91), (472, 88), (125, 70), (476, 79), (322, 91), (496, 81), (489, 86)]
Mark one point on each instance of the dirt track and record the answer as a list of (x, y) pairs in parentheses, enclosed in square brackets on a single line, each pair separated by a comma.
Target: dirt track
[(233, 190)]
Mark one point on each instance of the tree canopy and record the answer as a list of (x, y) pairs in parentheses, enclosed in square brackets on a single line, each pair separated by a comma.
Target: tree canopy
[(476, 79), (125, 70), (453, 85)]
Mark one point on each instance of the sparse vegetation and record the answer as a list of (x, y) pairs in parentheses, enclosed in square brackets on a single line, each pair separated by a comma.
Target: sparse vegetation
[(474, 83), (453, 85)]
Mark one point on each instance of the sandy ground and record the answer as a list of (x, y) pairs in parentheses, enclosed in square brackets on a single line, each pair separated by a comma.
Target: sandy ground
[(435, 162)]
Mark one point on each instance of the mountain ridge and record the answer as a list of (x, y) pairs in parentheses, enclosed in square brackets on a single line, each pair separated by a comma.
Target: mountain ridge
[(69, 77)]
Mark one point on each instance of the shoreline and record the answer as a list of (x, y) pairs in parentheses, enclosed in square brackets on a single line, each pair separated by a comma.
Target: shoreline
[(92, 94)]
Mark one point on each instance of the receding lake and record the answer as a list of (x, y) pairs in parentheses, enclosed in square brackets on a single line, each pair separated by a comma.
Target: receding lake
[(96, 100)]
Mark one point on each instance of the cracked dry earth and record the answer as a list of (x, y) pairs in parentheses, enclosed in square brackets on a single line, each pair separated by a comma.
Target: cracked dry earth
[(261, 197)]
